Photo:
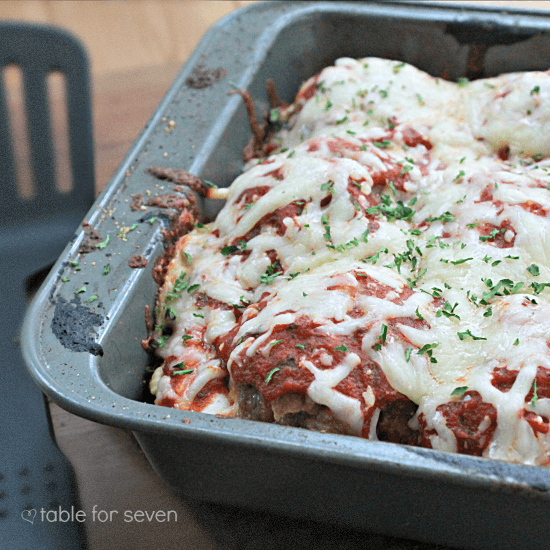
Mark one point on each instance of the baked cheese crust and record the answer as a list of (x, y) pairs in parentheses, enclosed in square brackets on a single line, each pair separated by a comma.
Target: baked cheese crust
[(384, 273)]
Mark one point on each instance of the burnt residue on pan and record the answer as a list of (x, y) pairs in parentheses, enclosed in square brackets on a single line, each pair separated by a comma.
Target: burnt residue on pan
[(91, 239), (201, 77), (137, 261), (73, 324), (137, 202)]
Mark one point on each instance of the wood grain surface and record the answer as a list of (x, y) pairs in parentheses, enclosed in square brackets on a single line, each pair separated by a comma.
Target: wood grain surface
[(136, 48)]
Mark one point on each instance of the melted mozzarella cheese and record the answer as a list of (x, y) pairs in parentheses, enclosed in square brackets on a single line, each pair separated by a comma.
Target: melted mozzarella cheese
[(392, 175)]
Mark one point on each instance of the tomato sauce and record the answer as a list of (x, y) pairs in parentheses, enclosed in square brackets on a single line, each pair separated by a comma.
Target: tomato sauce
[(253, 194), (308, 92), (503, 379), (277, 174), (273, 219), (465, 417), (412, 138), (534, 207), (498, 239), (538, 423), (217, 386)]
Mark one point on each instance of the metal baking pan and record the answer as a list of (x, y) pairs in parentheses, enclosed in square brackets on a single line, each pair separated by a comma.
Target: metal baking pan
[(85, 352)]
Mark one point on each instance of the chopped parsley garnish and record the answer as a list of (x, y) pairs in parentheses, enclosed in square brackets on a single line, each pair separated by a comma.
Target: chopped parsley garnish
[(269, 275), (91, 298), (382, 338), (507, 284), (301, 346), (398, 66), (468, 333), (329, 186), (462, 82), (463, 260), (184, 371), (270, 374), (161, 341), (193, 287), (461, 390), (392, 212), (186, 337), (341, 348), (448, 311), (446, 217), (171, 314), (535, 90), (384, 144), (460, 175), (534, 270), (408, 355), (428, 350), (516, 343), (412, 281), (375, 257), (539, 287), (104, 243), (80, 290), (535, 396), (275, 342), (491, 235), (342, 120), (406, 169)]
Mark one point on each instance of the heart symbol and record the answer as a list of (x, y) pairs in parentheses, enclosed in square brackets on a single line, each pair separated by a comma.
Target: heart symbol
[(29, 515)]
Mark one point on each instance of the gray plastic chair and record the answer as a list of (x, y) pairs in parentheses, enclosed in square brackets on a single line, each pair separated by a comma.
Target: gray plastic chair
[(34, 474)]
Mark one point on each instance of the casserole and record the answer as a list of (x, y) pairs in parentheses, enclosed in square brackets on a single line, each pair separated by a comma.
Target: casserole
[(84, 352), (381, 272)]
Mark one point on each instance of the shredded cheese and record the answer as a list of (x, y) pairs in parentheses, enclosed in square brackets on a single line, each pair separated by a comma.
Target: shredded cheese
[(403, 227)]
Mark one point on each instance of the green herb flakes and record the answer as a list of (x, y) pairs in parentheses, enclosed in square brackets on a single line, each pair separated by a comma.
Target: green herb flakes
[(270, 374), (104, 243), (468, 333)]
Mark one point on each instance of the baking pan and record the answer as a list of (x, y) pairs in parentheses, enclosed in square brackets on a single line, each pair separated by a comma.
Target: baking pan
[(82, 334)]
